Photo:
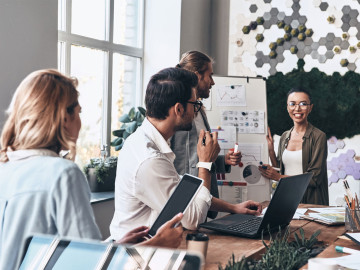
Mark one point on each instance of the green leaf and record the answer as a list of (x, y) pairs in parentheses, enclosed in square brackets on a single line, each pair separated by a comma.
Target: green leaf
[(132, 113), (124, 118), (131, 127), (297, 239), (118, 132), (302, 236), (117, 141), (142, 111), (137, 116), (117, 148), (126, 134), (130, 122)]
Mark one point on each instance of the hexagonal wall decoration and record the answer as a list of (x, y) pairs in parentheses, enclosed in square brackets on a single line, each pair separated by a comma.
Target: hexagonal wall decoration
[(253, 8), (334, 26)]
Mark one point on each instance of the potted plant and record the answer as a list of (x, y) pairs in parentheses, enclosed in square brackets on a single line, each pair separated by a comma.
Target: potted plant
[(101, 172), (131, 121), (280, 253)]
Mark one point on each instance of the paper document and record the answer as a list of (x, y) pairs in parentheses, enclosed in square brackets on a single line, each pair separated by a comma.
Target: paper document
[(207, 102), (263, 212), (354, 237), (250, 151), (230, 95), (244, 121), (327, 218), (329, 210), (351, 261), (299, 212), (226, 136)]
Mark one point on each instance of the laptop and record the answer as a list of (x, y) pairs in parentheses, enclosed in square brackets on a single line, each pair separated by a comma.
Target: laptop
[(280, 211)]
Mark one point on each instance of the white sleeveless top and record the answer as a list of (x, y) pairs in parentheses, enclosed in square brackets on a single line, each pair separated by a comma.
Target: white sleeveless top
[(292, 161)]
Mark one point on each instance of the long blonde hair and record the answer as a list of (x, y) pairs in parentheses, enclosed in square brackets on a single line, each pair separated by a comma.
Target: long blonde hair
[(37, 113), (195, 61)]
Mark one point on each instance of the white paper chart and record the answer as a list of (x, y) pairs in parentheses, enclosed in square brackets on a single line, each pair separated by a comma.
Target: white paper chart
[(226, 136), (244, 121), (230, 95), (240, 102), (250, 151)]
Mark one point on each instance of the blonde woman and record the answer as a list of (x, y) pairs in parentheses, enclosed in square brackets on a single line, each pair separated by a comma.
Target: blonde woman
[(39, 191)]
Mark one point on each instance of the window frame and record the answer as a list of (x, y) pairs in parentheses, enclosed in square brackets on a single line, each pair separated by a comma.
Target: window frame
[(109, 47)]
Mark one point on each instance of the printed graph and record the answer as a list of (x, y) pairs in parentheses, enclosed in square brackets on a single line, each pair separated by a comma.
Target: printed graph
[(230, 95)]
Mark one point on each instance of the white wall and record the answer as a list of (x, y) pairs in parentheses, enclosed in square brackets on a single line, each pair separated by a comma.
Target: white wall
[(205, 27), (162, 36), (186, 25), (219, 35), (195, 25), (28, 31)]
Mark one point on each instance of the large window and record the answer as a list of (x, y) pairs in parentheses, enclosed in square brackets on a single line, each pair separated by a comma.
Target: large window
[(101, 44)]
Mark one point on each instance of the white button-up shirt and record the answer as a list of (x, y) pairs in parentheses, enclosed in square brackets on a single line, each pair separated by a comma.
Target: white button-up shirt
[(145, 179)]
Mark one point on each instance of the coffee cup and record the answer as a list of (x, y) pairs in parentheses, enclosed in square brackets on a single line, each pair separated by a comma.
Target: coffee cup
[(197, 242)]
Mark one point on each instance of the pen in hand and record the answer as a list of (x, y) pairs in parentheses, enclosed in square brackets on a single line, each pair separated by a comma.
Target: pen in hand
[(204, 139), (236, 148)]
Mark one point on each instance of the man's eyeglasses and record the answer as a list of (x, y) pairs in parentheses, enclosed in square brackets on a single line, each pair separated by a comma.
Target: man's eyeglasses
[(303, 105), (197, 105)]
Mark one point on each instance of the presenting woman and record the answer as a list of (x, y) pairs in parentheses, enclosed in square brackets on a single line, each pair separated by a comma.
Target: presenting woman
[(39, 191), (302, 149)]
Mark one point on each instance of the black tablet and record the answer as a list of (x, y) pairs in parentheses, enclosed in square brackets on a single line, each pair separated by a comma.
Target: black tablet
[(179, 200)]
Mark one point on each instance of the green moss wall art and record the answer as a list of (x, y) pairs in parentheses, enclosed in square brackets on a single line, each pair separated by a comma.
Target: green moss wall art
[(336, 100)]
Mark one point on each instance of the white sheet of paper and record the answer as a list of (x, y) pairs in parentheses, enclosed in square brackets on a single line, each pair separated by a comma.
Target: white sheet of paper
[(351, 261), (233, 194), (207, 102), (299, 212), (328, 210), (328, 217), (230, 95), (250, 151), (244, 121), (263, 212), (226, 136), (356, 236), (161, 259)]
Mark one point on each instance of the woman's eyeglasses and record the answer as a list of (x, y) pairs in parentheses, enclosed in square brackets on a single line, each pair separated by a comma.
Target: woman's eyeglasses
[(303, 105), (197, 105)]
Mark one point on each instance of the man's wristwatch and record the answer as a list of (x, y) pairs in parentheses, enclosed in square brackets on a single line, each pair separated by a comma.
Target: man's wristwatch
[(207, 165)]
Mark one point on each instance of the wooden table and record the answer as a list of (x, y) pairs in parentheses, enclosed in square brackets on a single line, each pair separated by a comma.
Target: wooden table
[(222, 246)]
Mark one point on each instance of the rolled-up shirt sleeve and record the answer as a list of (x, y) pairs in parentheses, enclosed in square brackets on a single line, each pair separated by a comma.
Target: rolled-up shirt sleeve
[(156, 179)]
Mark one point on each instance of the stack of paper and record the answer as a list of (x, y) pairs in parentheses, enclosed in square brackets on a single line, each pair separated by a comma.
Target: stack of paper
[(327, 216)]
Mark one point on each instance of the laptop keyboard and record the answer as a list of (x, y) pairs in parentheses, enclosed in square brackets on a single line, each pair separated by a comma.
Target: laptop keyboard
[(246, 226)]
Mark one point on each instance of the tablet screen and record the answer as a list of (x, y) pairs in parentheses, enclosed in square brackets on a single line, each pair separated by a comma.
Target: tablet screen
[(178, 201)]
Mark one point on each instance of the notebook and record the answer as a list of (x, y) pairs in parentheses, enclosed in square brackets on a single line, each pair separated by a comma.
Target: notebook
[(281, 209), (354, 237), (43, 252)]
